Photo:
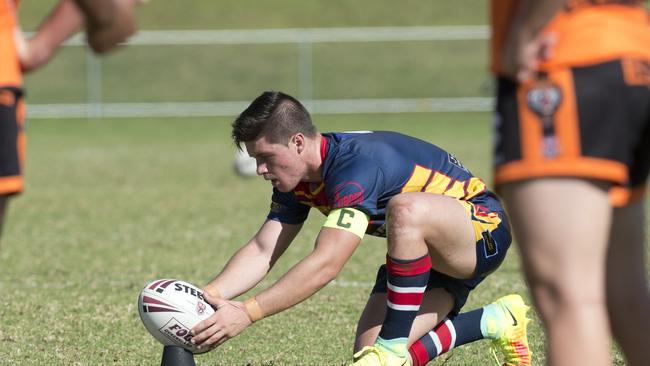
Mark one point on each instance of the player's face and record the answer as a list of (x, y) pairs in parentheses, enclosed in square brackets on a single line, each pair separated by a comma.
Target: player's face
[(278, 163)]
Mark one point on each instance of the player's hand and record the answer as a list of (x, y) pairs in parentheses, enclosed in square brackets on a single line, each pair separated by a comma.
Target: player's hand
[(523, 55), (108, 23), (229, 319)]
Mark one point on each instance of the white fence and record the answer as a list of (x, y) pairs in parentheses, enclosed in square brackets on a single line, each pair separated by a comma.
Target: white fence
[(303, 38)]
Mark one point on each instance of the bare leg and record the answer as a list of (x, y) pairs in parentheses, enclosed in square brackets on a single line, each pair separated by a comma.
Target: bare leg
[(437, 303), (562, 227), (421, 223), (628, 299), (424, 231)]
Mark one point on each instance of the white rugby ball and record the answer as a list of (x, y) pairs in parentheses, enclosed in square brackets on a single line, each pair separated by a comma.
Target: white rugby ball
[(170, 308), (244, 165)]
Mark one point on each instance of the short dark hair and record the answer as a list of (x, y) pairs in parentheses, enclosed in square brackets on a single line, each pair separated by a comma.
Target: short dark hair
[(275, 115)]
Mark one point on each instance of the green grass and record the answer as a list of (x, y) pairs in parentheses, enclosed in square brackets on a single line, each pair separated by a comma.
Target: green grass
[(238, 72), (113, 204), (244, 14)]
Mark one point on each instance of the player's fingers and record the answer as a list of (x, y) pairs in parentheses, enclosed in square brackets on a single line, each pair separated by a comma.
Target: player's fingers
[(215, 340), (204, 325), (201, 337)]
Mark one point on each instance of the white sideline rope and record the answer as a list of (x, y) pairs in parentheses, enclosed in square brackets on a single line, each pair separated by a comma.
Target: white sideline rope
[(302, 35), (225, 109)]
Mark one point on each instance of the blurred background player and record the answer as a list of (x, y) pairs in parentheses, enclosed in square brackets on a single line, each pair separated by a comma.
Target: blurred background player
[(572, 159), (421, 198), (107, 24)]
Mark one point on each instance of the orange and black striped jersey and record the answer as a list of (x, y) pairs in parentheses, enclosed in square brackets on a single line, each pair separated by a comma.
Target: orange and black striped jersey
[(589, 31), (10, 74)]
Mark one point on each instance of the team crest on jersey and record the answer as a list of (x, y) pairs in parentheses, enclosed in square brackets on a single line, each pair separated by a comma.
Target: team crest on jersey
[(544, 99), (348, 194)]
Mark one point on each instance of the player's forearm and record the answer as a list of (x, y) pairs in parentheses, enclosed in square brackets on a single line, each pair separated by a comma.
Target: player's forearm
[(302, 281), (64, 21), (242, 272), (253, 261), (332, 250)]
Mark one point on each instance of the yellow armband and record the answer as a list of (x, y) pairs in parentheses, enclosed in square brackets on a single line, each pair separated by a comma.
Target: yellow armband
[(348, 219)]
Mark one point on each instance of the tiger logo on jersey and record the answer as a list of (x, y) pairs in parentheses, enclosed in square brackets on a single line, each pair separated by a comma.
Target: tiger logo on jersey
[(544, 99)]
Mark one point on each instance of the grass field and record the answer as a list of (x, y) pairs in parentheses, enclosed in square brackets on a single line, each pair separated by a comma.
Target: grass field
[(113, 204), (191, 73)]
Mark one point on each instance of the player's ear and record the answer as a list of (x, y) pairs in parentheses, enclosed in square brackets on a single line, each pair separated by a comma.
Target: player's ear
[(299, 141)]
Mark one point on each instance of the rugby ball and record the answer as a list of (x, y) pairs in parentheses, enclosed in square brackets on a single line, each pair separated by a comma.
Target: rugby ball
[(243, 164), (170, 308)]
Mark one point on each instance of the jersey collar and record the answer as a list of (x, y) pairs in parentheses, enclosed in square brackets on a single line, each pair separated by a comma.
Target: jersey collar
[(323, 148)]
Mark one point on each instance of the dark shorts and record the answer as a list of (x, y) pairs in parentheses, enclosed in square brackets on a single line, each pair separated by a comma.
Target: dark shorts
[(491, 246), (589, 122), (12, 141)]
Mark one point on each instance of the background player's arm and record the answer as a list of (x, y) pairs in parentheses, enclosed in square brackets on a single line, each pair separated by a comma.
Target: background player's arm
[(108, 22), (524, 49), (61, 23), (254, 260)]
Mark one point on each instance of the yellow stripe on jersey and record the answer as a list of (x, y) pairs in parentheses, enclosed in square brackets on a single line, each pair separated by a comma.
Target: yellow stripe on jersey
[(348, 219), (481, 221), (418, 179), (427, 180)]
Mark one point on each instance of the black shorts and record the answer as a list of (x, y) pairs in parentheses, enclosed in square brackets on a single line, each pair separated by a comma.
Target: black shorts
[(12, 141), (491, 248), (590, 122)]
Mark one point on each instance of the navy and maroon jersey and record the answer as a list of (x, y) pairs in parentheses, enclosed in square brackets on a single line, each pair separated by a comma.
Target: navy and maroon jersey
[(364, 170)]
